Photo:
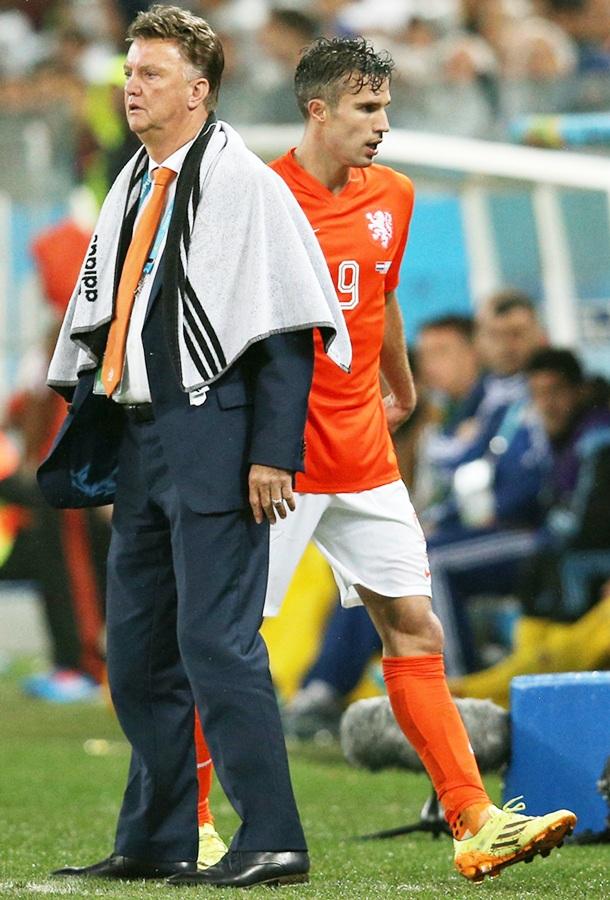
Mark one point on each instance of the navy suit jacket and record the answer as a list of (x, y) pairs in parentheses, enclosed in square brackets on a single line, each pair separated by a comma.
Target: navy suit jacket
[(254, 413)]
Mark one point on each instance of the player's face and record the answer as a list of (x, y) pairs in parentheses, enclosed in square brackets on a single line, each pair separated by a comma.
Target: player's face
[(355, 126), (555, 400), (158, 88)]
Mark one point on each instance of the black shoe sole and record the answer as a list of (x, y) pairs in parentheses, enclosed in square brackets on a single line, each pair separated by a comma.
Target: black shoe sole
[(273, 881)]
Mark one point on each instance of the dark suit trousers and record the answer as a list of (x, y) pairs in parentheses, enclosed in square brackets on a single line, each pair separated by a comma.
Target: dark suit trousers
[(185, 601)]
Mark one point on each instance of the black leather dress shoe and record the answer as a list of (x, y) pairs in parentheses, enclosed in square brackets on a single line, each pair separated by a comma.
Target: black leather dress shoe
[(116, 866), (245, 869)]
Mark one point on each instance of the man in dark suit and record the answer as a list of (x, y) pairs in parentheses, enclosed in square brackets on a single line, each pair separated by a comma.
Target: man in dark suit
[(195, 435)]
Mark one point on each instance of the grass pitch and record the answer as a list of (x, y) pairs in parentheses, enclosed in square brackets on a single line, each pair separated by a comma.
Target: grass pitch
[(62, 772)]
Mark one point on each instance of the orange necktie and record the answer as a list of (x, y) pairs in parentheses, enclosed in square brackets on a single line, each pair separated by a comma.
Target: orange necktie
[(137, 254)]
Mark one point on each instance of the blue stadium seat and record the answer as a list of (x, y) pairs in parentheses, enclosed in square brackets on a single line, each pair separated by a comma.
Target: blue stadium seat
[(560, 741)]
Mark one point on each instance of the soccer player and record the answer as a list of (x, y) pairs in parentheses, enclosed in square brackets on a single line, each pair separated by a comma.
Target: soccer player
[(351, 500)]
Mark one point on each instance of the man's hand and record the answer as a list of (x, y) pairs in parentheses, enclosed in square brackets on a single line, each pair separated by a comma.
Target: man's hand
[(395, 413), (270, 493)]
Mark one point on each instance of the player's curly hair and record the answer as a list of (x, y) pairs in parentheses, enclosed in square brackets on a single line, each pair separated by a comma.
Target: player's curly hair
[(198, 44), (330, 66)]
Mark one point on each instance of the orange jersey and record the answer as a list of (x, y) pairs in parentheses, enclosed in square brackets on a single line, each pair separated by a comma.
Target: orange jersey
[(363, 232)]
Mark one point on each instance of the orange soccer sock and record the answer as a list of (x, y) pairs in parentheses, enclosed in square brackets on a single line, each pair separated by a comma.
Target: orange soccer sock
[(427, 715), (205, 771)]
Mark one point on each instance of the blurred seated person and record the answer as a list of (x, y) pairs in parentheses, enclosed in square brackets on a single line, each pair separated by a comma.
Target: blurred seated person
[(491, 474), (564, 626), (492, 409), (507, 331), (450, 389)]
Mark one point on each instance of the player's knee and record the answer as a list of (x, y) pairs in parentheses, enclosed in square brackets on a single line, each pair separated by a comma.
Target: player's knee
[(409, 626), (421, 634), (434, 634)]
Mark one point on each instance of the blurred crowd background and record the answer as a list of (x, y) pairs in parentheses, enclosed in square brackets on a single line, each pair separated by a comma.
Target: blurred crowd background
[(508, 455), (468, 67)]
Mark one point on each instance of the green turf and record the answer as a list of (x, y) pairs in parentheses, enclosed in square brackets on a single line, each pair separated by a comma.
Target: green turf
[(59, 800)]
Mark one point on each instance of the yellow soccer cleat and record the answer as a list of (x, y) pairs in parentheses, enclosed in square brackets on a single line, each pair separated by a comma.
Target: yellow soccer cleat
[(509, 837), (212, 848)]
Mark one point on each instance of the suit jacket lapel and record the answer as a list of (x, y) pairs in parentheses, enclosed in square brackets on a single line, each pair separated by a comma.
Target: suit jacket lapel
[(156, 288)]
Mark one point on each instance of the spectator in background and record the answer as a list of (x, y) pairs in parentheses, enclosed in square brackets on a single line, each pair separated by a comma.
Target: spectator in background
[(558, 586), (535, 56), (63, 552), (34, 10), (101, 20), (330, 15), (485, 524), (242, 100), (414, 50), (538, 63), (98, 25), (507, 333), (233, 16), (587, 22), (440, 71), (64, 87), (490, 20), (451, 389), (465, 58), (467, 67), (237, 23), (129, 9), (282, 38), (384, 18), (450, 54), (113, 144), (21, 47), (538, 50)]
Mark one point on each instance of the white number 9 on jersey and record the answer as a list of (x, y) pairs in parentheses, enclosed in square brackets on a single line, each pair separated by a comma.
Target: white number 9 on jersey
[(347, 283)]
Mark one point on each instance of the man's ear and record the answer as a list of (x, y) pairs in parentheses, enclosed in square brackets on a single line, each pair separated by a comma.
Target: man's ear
[(200, 91), (317, 109)]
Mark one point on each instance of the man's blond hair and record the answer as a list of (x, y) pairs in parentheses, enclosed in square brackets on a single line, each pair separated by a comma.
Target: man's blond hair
[(198, 44)]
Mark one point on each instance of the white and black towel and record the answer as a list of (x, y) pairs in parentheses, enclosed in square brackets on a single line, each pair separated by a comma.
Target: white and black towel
[(241, 262)]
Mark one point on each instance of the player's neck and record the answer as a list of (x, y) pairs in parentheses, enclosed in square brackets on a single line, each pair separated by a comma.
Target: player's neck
[(332, 174)]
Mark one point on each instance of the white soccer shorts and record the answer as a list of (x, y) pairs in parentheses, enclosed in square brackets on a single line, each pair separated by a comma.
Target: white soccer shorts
[(371, 538)]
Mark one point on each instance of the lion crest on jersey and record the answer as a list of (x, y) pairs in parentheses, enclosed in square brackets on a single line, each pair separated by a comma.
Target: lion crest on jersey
[(381, 226)]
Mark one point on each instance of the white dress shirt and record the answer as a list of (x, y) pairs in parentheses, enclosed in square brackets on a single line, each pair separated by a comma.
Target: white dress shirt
[(134, 387)]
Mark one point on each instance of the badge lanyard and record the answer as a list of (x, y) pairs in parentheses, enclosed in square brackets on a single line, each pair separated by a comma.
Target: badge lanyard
[(159, 236)]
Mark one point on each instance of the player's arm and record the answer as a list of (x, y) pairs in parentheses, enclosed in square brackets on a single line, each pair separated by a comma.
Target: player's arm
[(395, 368)]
